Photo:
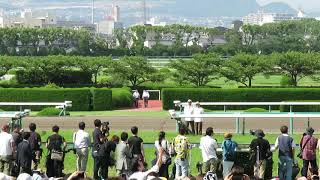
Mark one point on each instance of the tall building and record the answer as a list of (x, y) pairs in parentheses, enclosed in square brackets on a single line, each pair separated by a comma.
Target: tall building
[(261, 18), (116, 13)]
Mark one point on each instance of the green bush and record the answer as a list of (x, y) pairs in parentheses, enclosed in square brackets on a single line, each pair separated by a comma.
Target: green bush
[(237, 95), (102, 99), (50, 111), (286, 81), (256, 110), (310, 108), (80, 97), (121, 97)]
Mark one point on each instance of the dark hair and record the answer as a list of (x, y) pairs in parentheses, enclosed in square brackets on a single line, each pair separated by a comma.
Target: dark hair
[(284, 129), (237, 172), (16, 126), (115, 138), (82, 125), (134, 130), (55, 128), (97, 123), (182, 131), (32, 127), (124, 136), (162, 135), (209, 131), (25, 135)]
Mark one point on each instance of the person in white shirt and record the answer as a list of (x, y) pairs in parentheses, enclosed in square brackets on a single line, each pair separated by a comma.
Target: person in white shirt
[(166, 159), (208, 147), (7, 147), (145, 97), (81, 140), (136, 97), (189, 110), (139, 169), (198, 111)]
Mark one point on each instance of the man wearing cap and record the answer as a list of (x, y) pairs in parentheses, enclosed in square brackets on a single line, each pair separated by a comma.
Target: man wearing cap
[(189, 110), (198, 111), (308, 146), (286, 146), (262, 147), (6, 149), (229, 148)]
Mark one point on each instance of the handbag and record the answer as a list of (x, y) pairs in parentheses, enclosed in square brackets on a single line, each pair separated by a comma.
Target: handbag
[(301, 150), (56, 155)]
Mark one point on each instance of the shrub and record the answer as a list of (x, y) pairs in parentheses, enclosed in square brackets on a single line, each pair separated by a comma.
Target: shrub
[(310, 108), (80, 97), (237, 95), (50, 111), (256, 110), (121, 97), (286, 81), (102, 99)]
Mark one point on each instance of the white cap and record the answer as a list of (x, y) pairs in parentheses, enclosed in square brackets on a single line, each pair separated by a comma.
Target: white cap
[(24, 176), (4, 177), (189, 100)]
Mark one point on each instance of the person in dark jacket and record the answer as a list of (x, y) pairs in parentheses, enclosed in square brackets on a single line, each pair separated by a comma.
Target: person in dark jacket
[(24, 155), (35, 143)]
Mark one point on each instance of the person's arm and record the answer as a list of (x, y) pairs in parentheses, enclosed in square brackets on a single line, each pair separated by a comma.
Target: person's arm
[(142, 152), (74, 138), (47, 143), (13, 145), (64, 143), (293, 149), (276, 145)]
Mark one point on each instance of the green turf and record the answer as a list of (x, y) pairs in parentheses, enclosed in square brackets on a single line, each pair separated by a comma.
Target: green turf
[(150, 137)]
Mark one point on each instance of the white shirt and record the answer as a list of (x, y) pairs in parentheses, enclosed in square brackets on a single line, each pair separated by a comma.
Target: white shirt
[(81, 139), (6, 144), (198, 111), (144, 175), (145, 94), (276, 145), (188, 110), (136, 95), (208, 148)]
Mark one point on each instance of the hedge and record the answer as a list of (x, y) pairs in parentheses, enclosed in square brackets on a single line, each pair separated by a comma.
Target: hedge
[(51, 111), (102, 99), (121, 97), (237, 95), (80, 97)]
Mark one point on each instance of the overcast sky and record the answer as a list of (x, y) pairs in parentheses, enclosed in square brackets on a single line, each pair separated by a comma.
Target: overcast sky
[(306, 5)]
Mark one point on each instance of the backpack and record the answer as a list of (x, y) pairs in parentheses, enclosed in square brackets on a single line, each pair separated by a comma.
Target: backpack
[(230, 154)]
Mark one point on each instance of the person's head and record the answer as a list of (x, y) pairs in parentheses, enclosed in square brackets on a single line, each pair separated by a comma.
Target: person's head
[(82, 125), (32, 127), (124, 136), (315, 177), (105, 126), (25, 135), (115, 139), (259, 133), (227, 136), (237, 172), (55, 129), (182, 131), (198, 104), (190, 102), (209, 131), (5, 128), (16, 128), (284, 129), (134, 130), (162, 136), (97, 123), (24, 176), (310, 131)]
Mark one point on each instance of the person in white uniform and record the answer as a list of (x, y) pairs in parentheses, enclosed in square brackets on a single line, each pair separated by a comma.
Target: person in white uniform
[(198, 110), (136, 97), (189, 110), (145, 97)]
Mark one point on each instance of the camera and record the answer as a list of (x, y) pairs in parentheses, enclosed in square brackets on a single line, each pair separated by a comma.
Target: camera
[(252, 132)]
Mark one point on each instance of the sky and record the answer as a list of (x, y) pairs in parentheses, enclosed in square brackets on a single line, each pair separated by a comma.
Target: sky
[(306, 5)]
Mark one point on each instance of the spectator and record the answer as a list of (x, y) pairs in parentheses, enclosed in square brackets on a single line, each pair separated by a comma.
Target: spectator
[(181, 147), (136, 144), (24, 155), (236, 173), (7, 147), (138, 168), (189, 110), (198, 111), (123, 156), (16, 134), (105, 130), (229, 148), (98, 140), (286, 146), (81, 140), (145, 97), (308, 146), (162, 143), (262, 147), (208, 147), (56, 145), (105, 156), (35, 144), (136, 97)]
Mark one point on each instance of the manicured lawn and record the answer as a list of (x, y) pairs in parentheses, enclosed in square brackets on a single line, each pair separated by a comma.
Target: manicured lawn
[(150, 137)]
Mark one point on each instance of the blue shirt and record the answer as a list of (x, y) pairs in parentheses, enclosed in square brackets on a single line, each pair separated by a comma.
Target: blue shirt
[(228, 145)]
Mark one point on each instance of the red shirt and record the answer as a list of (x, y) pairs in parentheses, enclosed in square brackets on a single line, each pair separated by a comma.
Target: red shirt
[(309, 151)]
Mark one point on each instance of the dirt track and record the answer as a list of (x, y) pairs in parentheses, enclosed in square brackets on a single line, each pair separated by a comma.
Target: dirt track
[(156, 124)]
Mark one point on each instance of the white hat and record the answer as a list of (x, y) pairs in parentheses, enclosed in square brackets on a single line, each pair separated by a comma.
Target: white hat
[(189, 100), (24, 176), (4, 177)]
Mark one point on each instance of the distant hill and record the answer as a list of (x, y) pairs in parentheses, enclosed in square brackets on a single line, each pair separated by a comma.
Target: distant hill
[(278, 7)]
